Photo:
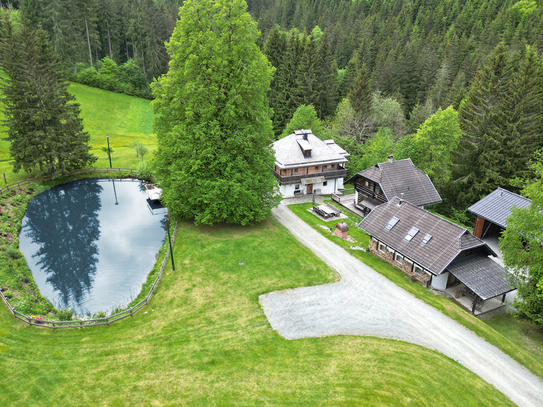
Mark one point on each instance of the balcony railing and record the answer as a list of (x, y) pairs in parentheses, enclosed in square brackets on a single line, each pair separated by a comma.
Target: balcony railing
[(327, 174), (369, 193)]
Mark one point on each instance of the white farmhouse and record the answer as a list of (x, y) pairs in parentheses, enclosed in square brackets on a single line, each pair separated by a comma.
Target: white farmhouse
[(304, 163)]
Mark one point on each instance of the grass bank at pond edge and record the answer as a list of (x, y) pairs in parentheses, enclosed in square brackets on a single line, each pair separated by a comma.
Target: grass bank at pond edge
[(512, 345), (206, 341)]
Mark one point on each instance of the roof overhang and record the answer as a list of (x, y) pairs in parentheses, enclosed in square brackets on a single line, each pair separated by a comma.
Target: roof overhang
[(482, 275), (309, 164)]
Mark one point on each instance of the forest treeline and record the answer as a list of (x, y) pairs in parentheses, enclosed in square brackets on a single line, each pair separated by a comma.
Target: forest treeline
[(84, 32), (420, 52), (373, 71)]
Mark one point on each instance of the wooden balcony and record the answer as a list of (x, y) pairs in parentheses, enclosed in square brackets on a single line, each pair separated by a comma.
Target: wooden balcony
[(368, 193), (327, 174)]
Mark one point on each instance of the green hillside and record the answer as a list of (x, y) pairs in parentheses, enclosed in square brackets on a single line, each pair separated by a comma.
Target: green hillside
[(204, 340), (124, 118)]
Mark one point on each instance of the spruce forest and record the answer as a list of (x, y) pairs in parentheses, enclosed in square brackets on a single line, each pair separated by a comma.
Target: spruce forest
[(455, 84)]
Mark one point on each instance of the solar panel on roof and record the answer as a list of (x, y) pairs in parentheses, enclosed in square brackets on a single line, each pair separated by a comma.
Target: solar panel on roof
[(391, 223), (426, 238), (411, 234)]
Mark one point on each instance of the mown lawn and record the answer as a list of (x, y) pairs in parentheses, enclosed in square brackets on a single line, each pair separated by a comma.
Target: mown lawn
[(124, 118), (504, 333), (206, 341)]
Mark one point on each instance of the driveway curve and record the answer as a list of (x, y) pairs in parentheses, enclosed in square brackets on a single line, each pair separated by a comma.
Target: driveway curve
[(366, 303)]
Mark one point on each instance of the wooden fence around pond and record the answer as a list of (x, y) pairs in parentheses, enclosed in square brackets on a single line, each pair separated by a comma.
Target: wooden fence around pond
[(81, 323), (107, 170)]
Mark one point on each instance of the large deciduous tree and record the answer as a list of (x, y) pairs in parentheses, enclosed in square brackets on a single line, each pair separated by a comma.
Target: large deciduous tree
[(44, 128), (305, 117), (434, 141), (522, 247), (214, 161)]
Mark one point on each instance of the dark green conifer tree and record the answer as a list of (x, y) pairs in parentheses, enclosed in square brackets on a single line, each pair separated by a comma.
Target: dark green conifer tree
[(360, 95), (308, 85), (285, 104), (351, 71), (476, 170), (274, 49), (520, 118), (326, 101), (44, 128)]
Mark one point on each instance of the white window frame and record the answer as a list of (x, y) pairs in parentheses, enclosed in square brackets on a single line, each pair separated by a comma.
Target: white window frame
[(420, 268), (382, 247), (398, 256)]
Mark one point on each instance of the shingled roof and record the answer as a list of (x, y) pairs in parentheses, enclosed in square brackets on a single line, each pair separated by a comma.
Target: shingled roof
[(288, 153), (402, 176), (496, 206), (445, 244), (482, 275)]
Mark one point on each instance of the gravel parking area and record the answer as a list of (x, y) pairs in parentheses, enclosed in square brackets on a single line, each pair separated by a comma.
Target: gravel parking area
[(366, 303)]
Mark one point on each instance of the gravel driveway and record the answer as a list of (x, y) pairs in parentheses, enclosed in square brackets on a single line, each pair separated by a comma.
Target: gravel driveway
[(366, 303)]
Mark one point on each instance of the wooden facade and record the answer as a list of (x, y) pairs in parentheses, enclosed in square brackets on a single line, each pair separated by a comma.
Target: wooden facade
[(478, 230), (369, 189)]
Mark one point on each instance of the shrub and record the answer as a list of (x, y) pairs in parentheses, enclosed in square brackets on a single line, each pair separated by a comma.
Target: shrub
[(144, 171), (65, 314), (90, 76)]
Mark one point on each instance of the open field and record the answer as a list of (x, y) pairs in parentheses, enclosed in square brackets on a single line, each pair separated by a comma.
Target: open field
[(508, 337), (124, 118), (206, 341)]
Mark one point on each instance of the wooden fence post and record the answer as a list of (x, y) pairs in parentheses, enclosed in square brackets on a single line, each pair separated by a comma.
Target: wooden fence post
[(5, 180)]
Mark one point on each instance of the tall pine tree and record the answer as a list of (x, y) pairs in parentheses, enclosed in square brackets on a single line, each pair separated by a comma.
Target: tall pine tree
[(44, 129), (521, 118), (476, 161)]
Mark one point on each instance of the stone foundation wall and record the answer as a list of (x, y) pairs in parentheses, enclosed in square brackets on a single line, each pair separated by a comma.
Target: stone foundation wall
[(406, 267)]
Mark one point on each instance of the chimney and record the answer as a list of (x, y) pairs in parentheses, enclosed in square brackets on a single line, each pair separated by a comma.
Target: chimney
[(401, 198), (390, 158)]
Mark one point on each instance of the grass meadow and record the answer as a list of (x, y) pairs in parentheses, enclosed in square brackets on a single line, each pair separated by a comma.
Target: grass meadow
[(124, 118), (204, 340)]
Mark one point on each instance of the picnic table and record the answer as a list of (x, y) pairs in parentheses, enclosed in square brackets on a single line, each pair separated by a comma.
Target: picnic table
[(327, 211)]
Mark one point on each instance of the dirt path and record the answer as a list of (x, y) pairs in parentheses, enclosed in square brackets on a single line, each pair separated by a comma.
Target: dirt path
[(366, 303)]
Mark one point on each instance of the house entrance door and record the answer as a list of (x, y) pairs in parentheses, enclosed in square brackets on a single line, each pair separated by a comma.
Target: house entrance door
[(309, 188)]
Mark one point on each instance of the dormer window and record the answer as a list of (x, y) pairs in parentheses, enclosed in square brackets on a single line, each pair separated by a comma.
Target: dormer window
[(411, 234), (305, 146)]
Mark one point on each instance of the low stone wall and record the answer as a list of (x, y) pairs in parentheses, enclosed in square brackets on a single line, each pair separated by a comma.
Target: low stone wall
[(406, 267)]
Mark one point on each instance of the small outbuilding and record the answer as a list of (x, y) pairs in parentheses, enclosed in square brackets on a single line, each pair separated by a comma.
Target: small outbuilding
[(493, 210)]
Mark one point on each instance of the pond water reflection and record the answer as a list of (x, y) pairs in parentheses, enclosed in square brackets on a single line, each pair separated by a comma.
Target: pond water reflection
[(90, 244)]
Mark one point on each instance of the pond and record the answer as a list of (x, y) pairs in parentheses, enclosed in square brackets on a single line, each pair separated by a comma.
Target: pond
[(90, 244)]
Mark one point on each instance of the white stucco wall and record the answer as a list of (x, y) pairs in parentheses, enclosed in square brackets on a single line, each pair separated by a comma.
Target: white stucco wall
[(287, 191), (440, 282)]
